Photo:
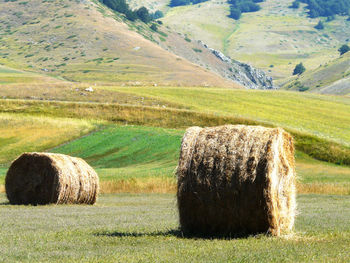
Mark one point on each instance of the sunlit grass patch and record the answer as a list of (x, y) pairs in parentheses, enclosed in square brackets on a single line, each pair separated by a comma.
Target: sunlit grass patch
[(323, 116), (139, 185), (22, 133), (340, 188)]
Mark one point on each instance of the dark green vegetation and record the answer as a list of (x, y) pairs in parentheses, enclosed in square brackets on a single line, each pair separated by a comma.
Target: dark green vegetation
[(327, 8), (134, 228), (299, 69), (185, 2), (344, 49), (141, 13), (320, 25), (237, 7)]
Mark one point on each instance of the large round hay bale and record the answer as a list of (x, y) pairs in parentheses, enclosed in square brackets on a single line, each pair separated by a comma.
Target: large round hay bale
[(236, 180), (48, 178)]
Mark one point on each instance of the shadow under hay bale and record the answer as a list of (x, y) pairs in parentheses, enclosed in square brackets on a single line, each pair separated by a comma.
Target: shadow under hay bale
[(48, 178), (236, 180)]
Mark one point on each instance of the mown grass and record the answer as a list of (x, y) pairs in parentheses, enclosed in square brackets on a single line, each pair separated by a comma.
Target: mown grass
[(131, 158), (127, 152), (144, 228)]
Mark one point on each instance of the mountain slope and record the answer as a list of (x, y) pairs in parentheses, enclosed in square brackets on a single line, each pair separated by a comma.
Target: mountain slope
[(330, 78), (10, 76), (84, 41), (275, 38)]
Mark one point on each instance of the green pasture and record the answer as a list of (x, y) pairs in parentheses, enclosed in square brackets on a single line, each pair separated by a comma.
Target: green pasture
[(124, 152)]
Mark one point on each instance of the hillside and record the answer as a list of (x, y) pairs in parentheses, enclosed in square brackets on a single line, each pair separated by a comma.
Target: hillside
[(13, 76), (275, 38), (318, 123), (84, 41), (330, 78)]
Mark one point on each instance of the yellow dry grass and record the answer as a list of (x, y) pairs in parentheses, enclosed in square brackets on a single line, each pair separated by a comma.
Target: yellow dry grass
[(22, 133), (324, 188), (140, 185), (168, 185)]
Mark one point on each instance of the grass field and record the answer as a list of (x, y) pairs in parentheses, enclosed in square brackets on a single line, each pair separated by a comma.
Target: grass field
[(144, 228), (128, 158), (20, 133), (129, 129), (303, 112), (144, 159), (318, 123)]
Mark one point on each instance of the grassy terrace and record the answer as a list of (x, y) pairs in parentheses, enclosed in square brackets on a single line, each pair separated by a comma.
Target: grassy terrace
[(324, 116), (144, 159), (143, 227), (318, 123)]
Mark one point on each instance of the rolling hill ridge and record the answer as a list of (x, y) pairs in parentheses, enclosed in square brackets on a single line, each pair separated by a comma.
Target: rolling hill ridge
[(85, 41), (275, 38), (330, 78)]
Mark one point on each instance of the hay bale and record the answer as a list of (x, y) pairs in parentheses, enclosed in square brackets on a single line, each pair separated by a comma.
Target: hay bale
[(236, 180), (45, 178)]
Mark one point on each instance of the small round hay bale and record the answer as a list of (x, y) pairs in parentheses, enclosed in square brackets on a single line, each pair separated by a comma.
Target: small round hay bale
[(49, 178), (236, 180)]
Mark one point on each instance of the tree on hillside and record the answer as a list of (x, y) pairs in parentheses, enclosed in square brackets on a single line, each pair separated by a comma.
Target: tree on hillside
[(154, 27), (295, 4), (299, 69), (158, 14), (131, 15), (237, 7), (327, 8), (143, 14), (320, 25), (235, 13), (344, 49), (185, 2), (122, 7)]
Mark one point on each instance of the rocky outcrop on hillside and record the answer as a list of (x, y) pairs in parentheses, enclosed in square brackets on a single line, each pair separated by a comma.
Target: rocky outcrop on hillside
[(244, 74)]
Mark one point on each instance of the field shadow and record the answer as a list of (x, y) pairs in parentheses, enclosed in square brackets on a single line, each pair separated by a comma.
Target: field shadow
[(4, 203), (173, 232), (176, 233)]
